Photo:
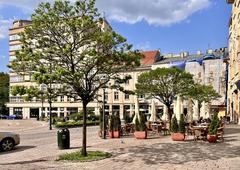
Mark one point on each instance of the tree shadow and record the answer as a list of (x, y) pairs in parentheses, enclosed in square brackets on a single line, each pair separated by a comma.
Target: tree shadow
[(25, 162), (17, 149), (177, 153)]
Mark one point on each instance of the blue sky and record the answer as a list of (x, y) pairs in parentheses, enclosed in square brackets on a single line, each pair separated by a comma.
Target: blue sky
[(172, 26)]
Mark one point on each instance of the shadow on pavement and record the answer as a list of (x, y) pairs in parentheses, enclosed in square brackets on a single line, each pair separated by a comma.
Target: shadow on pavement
[(25, 162), (17, 149), (177, 153)]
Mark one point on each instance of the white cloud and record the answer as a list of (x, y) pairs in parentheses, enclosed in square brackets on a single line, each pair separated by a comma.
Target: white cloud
[(4, 26), (154, 12), (143, 46)]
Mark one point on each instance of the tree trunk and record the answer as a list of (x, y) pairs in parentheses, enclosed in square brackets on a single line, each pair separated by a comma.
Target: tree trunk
[(169, 114), (199, 110), (84, 134)]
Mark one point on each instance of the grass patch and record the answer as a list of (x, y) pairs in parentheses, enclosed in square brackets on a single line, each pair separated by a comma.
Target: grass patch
[(76, 156)]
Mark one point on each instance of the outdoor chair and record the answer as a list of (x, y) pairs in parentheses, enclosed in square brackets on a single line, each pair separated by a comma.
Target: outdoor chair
[(220, 132), (166, 128)]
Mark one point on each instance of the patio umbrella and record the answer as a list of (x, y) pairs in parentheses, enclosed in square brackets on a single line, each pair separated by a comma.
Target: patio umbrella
[(136, 110), (153, 117)]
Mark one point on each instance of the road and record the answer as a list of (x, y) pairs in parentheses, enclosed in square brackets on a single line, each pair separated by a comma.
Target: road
[(38, 150)]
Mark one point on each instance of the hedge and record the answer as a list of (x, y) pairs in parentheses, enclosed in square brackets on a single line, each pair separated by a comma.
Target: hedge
[(75, 124)]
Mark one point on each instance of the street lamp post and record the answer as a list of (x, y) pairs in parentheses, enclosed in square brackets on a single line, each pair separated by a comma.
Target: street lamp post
[(104, 117)]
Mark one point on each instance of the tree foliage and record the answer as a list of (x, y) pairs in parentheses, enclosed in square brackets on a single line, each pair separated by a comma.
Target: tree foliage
[(203, 93), (67, 44), (165, 84), (4, 92)]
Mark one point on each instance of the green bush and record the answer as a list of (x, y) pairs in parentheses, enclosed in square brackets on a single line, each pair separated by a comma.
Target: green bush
[(182, 124), (140, 124), (75, 124), (111, 123), (76, 116), (116, 123), (174, 125), (137, 124), (214, 125)]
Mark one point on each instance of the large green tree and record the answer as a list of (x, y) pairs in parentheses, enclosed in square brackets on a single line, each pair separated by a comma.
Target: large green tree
[(4, 92), (83, 55), (202, 93), (165, 84)]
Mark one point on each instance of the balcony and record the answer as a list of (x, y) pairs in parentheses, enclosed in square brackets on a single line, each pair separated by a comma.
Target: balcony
[(230, 1)]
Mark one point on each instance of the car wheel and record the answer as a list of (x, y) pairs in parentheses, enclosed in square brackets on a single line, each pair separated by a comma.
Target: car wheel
[(7, 144)]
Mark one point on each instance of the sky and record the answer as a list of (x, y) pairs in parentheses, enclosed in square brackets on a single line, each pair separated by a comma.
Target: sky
[(171, 26)]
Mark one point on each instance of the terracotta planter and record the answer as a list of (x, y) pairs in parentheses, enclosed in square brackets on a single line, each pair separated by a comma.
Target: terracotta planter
[(110, 134), (140, 134), (178, 136), (212, 138), (116, 134)]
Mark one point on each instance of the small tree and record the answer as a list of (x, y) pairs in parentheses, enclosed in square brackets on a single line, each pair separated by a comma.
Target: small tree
[(182, 128), (214, 125), (202, 93), (142, 123), (71, 43), (137, 124), (174, 125), (165, 84)]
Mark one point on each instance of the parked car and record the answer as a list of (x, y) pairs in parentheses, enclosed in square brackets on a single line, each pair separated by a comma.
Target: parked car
[(3, 116), (14, 117), (8, 140)]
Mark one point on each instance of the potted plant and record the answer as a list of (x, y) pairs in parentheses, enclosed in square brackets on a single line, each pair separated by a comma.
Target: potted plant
[(212, 131), (116, 126), (140, 128), (178, 131), (111, 124)]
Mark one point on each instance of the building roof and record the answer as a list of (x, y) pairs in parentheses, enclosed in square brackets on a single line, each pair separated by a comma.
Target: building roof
[(149, 57)]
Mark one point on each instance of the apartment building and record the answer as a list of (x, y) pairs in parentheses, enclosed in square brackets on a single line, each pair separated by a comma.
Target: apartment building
[(234, 62)]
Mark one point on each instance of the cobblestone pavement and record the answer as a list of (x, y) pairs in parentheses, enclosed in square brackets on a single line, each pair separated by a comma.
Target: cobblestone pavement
[(38, 150)]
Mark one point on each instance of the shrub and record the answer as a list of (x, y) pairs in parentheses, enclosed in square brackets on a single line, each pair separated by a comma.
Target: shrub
[(214, 125), (182, 124), (174, 125), (111, 123), (137, 124), (76, 116), (75, 124), (116, 123), (140, 124)]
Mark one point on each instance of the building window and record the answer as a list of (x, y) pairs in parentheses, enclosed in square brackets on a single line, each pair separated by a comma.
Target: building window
[(17, 111), (14, 37), (126, 96), (115, 95), (11, 58), (62, 98), (17, 78), (15, 47), (61, 108)]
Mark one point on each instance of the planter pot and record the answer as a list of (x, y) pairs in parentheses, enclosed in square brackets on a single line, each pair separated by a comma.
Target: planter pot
[(116, 134), (212, 138), (110, 134), (178, 136), (140, 134)]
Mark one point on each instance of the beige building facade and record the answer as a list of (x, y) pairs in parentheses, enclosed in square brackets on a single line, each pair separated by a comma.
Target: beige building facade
[(208, 70), (234, 62)]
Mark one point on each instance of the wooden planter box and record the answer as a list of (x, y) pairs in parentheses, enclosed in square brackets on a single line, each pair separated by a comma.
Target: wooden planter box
[(178, 136), (140, 134), (212, 138)]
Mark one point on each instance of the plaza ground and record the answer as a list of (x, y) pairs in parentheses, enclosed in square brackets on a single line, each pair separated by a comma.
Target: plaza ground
[(38, 150)]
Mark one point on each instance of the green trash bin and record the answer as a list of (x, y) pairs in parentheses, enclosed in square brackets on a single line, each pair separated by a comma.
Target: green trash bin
[(63, 137)]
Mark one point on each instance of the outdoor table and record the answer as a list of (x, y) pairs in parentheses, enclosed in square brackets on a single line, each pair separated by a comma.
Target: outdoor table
[(200, 131)]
